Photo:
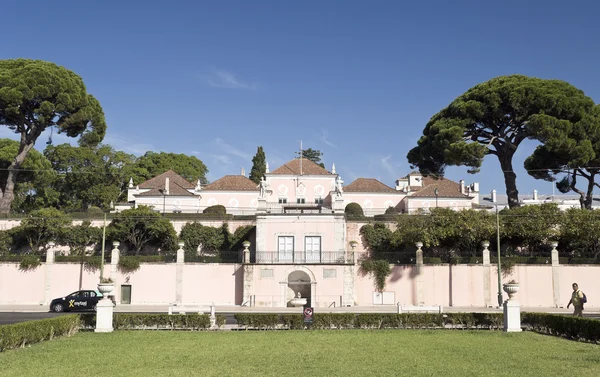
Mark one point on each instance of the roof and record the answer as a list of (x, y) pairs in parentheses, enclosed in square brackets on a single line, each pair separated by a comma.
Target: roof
[(369, 185), (446, 189), (159, 181), (174, 190), (412, 173), (232, 183), (293, 167)]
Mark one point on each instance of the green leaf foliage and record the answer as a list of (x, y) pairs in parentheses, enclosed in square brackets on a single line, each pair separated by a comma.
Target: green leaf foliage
[(141, 227), (27, 333), (195, 234), (313, 155), (42, 226), (29, 262), (493, 118), (259, 165), (36, 95), (89, 176), (79, 237), (152, 164), (354, 210), (379, 269), (571, 149), (218, 209)]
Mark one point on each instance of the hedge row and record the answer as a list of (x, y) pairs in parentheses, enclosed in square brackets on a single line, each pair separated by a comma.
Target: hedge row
[(576, 328), (131, 321), (26, 333), (372, 321)]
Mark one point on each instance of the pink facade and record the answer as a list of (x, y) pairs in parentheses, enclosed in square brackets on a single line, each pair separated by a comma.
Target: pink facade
[(323, 285)]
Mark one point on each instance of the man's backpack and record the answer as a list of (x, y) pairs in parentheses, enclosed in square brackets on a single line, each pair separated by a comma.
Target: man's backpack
[(584, 298)]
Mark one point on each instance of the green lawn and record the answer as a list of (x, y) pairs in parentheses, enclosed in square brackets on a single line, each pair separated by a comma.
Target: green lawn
[(308, 353)]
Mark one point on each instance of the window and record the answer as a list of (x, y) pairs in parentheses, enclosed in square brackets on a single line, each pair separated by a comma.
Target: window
[(312, 248), (282, 200), (319, 201), (300, 201), (285, 249)]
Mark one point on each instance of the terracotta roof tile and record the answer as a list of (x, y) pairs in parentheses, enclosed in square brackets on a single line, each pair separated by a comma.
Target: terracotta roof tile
[(159, 181), (446, 188), (174, 190), (232, 183), (369, 185), (293, 167)]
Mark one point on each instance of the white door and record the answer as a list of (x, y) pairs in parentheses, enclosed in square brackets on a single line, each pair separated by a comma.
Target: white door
[(312, 248), (286, 249)]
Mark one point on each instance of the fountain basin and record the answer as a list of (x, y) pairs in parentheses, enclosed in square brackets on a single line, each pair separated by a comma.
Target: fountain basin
[(298, 301)]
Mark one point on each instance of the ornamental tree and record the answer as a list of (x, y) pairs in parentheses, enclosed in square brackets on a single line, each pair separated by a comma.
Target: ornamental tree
[(259, 166), (152, 164), (314, 155), (492, 118), (42, 226), (36, 95), (570, 150)]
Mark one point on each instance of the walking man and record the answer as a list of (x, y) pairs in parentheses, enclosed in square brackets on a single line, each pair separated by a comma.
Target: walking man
[(577, 301)]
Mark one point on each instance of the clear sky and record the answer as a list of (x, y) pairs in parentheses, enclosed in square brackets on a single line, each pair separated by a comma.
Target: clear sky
[(356, 79)]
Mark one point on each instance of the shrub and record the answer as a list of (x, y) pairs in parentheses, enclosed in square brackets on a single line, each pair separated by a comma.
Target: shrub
[(257, 321), (293, 321), (128, 264), (216, 210), (220, 320), (354, 210), (576, 328), (30, 262), (122, 321), (26, 333), (378, 269), (391, 211)]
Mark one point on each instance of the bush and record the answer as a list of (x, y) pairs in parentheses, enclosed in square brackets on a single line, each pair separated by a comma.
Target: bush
[(293, 321), (26, 333), (215, 210), (128, 264), (30, 262), (576, 328), (354, 210), (122, 321), (257, 321)]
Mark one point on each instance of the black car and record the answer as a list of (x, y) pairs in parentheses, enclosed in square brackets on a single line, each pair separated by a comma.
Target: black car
[(80, 300)]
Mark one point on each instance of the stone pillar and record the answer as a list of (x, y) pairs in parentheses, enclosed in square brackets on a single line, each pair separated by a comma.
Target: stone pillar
[(48, 272), (487, 272), (114, 264), (248, 283), (213, 317), (313, 294), (348, 297), (555, 275), (512, 310), (246, 257), (262, 205), (104, 314), (179, 273), (420, 294)]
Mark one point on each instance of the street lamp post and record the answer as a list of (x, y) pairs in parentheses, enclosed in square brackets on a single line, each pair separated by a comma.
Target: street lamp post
[(103, 243), (436, 192), (498, 250)]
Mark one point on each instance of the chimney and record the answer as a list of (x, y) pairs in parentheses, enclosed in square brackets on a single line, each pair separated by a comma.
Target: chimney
[(535, 195), (167, 186), (462, 186), (267, 170), (243, 172), (475, 186), (494, 198), (333, 169)]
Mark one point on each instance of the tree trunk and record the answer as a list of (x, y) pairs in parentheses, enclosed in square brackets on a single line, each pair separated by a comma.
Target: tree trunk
[(510, 178), (8, 191)]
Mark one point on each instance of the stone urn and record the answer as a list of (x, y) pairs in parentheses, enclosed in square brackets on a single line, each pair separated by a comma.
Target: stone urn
[(105, 288), (298, 301), (511, 288)]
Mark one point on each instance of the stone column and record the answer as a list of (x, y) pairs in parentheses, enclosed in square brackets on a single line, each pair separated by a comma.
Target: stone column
[(114, 263), (104, 314), (48, 272), (555, 275), (512, 309), (179, 273), (348, 297), (313, 294), (420, 294), (487, 272), (246, 256), (248, 283)]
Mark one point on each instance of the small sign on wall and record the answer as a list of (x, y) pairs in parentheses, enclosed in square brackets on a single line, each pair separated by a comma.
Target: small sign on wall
[(308, 315)]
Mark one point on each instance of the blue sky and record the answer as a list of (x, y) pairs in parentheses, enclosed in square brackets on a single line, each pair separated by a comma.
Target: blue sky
[(356, 79)]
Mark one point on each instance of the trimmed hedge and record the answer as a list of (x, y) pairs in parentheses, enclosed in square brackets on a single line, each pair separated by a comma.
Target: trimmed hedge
[(327, 321), (26, 333), (576, 328), (134, 321)]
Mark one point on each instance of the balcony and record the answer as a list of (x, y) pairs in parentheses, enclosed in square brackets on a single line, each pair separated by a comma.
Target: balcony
[(302, 257), (298, 208)]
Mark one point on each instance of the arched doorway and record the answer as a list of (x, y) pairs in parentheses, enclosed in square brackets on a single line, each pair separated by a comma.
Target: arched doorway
[(299, 280)]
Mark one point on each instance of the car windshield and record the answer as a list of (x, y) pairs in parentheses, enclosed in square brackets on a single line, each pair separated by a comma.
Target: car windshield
[(74, 294)]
